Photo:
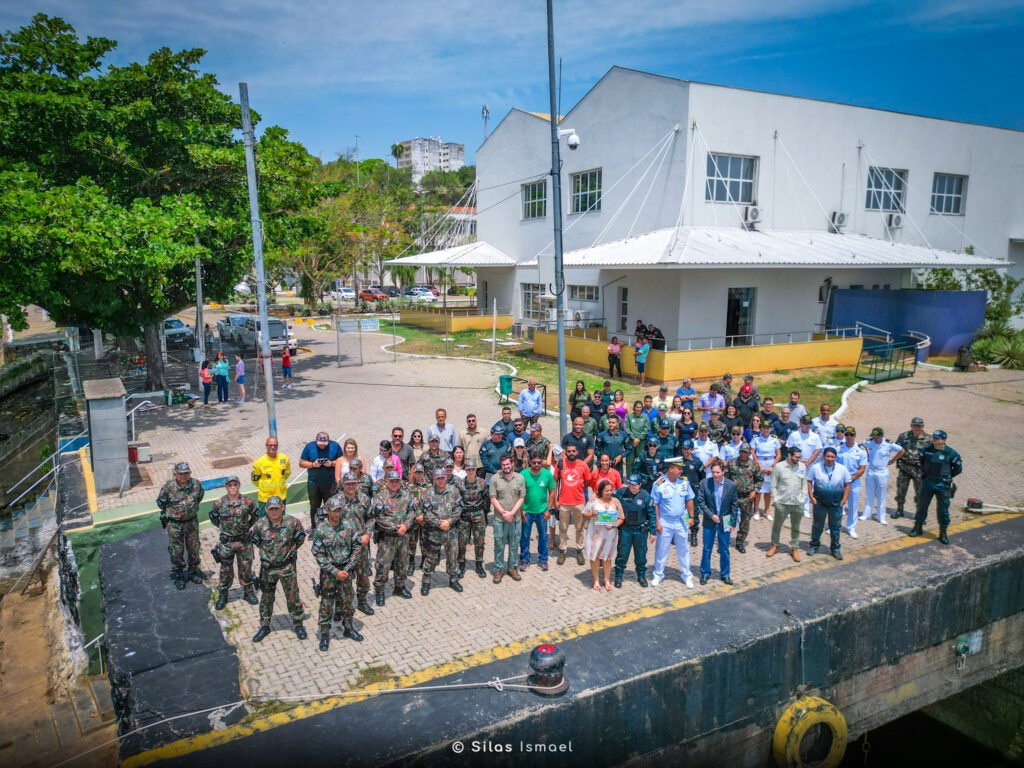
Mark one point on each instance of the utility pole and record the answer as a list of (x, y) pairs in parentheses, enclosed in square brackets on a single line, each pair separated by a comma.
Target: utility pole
[(485, 113), (257, 250), (357, 159), (200, 327), (556, 211)]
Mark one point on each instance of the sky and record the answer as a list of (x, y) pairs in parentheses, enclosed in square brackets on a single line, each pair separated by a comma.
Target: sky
[(388, 70)]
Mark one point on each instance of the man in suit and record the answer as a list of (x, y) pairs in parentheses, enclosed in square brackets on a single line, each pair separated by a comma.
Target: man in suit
[(718, 502)]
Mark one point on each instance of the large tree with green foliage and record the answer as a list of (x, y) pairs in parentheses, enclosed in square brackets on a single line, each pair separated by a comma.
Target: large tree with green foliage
[(113, 179)]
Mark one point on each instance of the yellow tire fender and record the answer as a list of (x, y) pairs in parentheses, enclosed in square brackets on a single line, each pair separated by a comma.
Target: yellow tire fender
[(797, 721)]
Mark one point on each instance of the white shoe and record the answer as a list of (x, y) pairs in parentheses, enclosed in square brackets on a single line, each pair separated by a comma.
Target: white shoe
[(807, 515), (757, 516), (656, 581), (884, 522), (865, 516), (689, 582), (769, 518), (852, 534)]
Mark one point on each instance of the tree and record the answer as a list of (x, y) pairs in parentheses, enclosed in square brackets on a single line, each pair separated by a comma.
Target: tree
[(397, 151)]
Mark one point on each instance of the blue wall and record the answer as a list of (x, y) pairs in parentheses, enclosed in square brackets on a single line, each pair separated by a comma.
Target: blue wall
[(949, 317)]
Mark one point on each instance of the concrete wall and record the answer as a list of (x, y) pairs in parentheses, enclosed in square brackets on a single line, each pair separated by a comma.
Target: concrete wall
[(454, 322), (108, 442)]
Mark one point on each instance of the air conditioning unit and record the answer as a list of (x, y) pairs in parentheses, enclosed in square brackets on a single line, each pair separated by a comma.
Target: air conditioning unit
[(894, 221), (752, 215), (551, 314), (837, 221), (581, 318)]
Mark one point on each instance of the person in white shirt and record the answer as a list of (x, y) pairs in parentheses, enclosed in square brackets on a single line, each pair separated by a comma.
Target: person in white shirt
[(852, 455), (810, 448), (881, 453), (663, 398), (825, 425), (828, 486), (704, 448), (767, 451), (444, 431), (731, 449)]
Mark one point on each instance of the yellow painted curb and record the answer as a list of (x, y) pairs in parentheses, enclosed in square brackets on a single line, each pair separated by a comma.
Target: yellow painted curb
[(90, 480)]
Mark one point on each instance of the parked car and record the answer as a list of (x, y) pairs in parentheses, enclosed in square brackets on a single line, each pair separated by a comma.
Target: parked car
[(250, 335), (372, 293), (178, 334), (228, 326), (419, 294), (392, 291), (429, 287), (343, 294)]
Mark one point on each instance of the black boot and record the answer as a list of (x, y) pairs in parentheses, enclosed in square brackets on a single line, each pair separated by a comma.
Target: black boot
[(425, 588), (261, 633), (693, 537), (179, 579), (462, 569), (380, 599), (222, 599), (325, 640), (403, 593), (350, 632), (917, 530), (364, 606), (453, 582), (196, 576), (899, 511), (412, 563), (250, 595), (300, 632), (942, 535), (480, 569)]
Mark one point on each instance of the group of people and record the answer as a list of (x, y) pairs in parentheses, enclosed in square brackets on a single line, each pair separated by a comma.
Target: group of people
[(620, 484), (219, 372)]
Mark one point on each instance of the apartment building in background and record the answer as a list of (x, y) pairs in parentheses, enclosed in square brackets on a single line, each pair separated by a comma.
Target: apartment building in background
[(423, 155)]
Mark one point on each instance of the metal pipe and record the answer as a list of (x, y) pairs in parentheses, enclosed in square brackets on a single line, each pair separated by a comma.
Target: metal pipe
[(556, 215)]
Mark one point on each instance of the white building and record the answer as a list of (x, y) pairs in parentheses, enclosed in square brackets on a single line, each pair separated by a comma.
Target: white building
[(655, 198), (430, 154)]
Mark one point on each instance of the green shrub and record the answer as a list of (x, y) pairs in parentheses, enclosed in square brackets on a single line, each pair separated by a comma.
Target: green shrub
[(981, 351), (995, 329), (1009, 352)]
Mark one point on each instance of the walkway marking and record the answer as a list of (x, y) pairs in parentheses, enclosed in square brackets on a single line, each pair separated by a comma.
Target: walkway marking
[(87, 476), (265, 723)]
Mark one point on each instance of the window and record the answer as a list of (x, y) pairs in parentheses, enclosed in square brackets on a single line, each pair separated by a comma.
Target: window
[(948, 194), (886, 189), (583, 292), (623, 308), (535, 200), (730, 179), (586, 191), (532, 309)]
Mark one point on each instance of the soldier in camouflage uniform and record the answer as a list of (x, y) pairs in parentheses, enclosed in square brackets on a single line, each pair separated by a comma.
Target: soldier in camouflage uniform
[(381, 485), (363, 478), (179, 513), (337, 548), (749, 477), (356, 504), (433, 458), (538, 445), (234, 515), (278, 537), (417, 488), (912, 442), (392, 512), (473, 523), (442, 510), (718, 431)]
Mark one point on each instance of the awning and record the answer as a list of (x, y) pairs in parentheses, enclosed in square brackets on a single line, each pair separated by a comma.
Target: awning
[(478, 254), (735, 247)]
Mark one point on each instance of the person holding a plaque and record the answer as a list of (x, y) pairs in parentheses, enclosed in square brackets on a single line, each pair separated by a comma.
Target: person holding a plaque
[(604, 513)]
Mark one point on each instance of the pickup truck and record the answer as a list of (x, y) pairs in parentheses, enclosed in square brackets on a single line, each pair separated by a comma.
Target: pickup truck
[(177, 334), (250, 336), (227, 327)]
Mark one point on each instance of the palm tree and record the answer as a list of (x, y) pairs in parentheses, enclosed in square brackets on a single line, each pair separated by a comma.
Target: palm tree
[(397, 150)]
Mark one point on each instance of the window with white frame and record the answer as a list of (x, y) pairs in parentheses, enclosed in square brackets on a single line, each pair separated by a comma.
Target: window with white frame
[(532, 307), (586, 191), (730, 178), (583, 292), (623, 308), (887, 190), (948, 192), (535, 200)]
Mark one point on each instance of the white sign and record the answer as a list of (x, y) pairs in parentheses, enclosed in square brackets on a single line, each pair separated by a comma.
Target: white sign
[(348, 326), (372, 324)]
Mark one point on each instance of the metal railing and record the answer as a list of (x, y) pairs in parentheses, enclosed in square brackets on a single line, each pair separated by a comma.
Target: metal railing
[(51, 458), (455, 309), (885, 333), (719, 342), (131, 414)]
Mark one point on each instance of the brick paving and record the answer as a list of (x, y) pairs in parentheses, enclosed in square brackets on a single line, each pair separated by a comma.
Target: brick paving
[(407, 636)]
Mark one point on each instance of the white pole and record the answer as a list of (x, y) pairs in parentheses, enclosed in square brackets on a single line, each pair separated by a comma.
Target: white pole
[(494, 329)]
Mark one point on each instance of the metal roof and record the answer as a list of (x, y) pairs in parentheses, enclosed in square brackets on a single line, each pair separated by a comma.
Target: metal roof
[(478, 254), (736, 247)]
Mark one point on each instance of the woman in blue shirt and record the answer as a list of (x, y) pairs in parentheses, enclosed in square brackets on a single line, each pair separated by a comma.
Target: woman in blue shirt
[(640, 356), (221, 371)]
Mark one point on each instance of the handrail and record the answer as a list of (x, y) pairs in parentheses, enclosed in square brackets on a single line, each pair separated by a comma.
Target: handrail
[(28, 490), (713, 342), (131, 415), (41, 463), (925, 339), (888, 335)]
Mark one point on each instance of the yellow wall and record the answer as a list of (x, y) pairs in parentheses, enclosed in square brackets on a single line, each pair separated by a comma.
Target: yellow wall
[(704, 363), (456, 323)]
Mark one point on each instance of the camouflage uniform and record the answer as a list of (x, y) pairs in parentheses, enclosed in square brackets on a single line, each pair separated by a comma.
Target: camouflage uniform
[(473, 523), (538, 448), (365, 484), (179, 506), (337, 549), (279, 546), (909, 465), (437, 507), (389, 512), (234, 519), (748, 477), (718, 432), (417, 491), (431, 462), (358, 508)]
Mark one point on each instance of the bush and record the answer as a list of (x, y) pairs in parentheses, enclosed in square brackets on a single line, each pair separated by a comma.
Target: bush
[(981, 351), (1007, 351), (996, 329)]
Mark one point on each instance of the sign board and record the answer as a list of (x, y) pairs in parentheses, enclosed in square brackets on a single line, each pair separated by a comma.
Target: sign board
[(372, 324), (348, 326)]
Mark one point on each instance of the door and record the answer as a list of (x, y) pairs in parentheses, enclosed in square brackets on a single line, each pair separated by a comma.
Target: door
[(739, 320)]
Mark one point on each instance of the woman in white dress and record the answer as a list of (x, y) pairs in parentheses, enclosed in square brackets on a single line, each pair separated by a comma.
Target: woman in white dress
[(605, 515)]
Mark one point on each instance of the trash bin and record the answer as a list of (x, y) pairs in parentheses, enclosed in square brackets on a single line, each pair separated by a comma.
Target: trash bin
[(505, 384), (963, 358), (133, 454), (168, 400)]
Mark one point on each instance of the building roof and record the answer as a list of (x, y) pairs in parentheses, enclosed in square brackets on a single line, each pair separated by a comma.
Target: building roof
[(725, 247), (478, 254)]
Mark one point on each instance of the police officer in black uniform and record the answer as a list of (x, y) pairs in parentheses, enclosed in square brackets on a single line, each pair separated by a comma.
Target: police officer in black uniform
[(650, 465), (641, 522), (939, 465)]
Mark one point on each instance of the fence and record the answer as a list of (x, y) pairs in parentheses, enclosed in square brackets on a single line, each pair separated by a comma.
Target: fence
[(458, 319), (348, 335)]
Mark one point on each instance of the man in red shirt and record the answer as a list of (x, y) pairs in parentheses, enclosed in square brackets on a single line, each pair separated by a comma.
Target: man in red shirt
[(572, 476)]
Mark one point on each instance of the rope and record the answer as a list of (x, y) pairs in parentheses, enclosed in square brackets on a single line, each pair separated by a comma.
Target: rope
[(718, 175), (657, 172), (682, 201), (892, 191), (810, 189)]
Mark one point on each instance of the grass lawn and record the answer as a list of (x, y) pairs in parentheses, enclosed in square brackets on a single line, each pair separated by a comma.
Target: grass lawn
[(777, 384)]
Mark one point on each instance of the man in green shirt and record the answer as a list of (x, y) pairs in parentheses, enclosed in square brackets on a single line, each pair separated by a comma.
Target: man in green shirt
[(537, 506)]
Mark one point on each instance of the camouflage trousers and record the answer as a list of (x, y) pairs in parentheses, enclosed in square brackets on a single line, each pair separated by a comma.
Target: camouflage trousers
[(745, 513), (270, 576), (903, 481), (335, 601), (449, 541), (415, 537), (363, 573), (182, 539), (475, 529), (229, 556), (392, 551)]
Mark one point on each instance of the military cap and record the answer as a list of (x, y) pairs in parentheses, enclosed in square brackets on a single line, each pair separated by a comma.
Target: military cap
[(393, 475), (468, 464), (917, 421), (634, 479), (744, 447), (419, 468), (877, 432), (182, 468), (766, 424), (829, 449), (232, 479), (687, 444), (675, 461), (535, 427), (334, 502), (939, 434), (349, 477), (703, 427), (726, 376), (440, 473), (715, 411), (663, 387), (434, 439), (607, 383), (840, 428), (805, 419), (651, 441), (736, 430), (497, 429), (449, 462), (748, 377), (664, 424), (851, 431), (357, 463), (275, 502)]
